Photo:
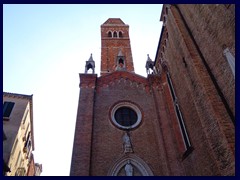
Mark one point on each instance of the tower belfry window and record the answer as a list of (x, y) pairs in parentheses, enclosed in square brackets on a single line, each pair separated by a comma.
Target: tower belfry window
[(120, 34), (115, 34), (109, 34)]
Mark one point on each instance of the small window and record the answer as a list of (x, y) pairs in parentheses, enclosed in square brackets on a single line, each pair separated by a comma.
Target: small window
[(27, 146), (166, 10), (7, 109), (120, 34), (109, 34), (164, 19), (184, 62), (115, 34)]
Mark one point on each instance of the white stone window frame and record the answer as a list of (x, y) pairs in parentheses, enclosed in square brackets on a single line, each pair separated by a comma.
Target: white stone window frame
[(111, 33), (128, 105), (118, 33)]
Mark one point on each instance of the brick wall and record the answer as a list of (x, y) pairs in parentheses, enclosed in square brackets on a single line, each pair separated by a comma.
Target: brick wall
[(213, 26), (152, 140), (195, 69), (83, 130), (110, 46), (207, 121)]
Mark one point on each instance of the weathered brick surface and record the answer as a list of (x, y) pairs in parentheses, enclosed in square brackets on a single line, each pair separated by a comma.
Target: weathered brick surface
[(152, 140), (213, 26), (98, 142), (110, 46), (158, 140), (83, 130), (207, 121)]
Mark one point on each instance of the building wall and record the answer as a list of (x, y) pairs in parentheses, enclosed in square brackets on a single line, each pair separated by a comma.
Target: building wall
[(213, 26), (210, 127), (110, 46), (17, 130), (98, 144), (107, 139), (185, 67)]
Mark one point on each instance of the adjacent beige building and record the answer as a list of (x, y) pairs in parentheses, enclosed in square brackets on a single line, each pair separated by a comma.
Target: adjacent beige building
[(18, 129)]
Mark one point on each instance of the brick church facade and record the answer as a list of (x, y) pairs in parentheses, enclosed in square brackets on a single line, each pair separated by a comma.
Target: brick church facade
[(180, 120)]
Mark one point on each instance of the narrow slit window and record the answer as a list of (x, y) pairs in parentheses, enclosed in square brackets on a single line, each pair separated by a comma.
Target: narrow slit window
[(179, 115)]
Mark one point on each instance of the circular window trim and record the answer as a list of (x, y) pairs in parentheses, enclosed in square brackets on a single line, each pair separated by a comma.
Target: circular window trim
[(129, 105)]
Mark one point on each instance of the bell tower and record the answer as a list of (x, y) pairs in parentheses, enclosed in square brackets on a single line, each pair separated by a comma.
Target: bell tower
[(116, 54)]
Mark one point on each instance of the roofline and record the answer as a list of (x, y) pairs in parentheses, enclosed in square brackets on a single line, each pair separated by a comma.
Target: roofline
[(160, 38), (18, 95), (159, 44)]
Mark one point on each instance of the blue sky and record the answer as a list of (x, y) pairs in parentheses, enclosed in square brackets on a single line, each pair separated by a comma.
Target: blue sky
[(45, 48)]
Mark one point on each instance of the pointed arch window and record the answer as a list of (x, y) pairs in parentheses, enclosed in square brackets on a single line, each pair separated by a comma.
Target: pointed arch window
[(109, 34), (115, 34), (120, 34)]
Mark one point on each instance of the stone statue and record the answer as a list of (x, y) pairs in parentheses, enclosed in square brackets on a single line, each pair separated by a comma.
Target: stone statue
[(127, 143), (149, 65), (128, 169)]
